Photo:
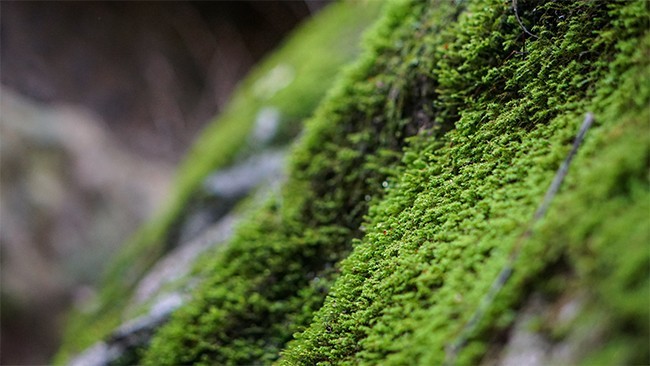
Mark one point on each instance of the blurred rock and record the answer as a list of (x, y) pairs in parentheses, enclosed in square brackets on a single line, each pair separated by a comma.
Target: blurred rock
[(177, 264), (71, 195), (126, 340), (166, 286)]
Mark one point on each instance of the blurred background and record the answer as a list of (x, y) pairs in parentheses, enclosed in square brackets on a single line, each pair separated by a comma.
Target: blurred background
[(98, 103)]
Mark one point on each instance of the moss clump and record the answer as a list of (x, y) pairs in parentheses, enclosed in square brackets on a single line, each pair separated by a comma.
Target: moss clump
[(291, 82)]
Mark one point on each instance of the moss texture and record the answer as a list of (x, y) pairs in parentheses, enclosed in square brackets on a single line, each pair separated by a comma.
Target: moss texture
[(459, 201), (414, 181)]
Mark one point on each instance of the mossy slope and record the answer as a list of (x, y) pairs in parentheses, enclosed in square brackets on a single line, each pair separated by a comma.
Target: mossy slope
[(414, 181), (278, 268), (460, 200)]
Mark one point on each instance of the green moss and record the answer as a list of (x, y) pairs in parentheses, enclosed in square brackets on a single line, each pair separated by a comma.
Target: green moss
[(306, 72), (454, 209), (276, 271), (417, 176)]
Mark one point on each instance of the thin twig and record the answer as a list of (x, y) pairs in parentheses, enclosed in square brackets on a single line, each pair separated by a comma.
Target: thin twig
[(506, 271), (564, 168), (514, 8)]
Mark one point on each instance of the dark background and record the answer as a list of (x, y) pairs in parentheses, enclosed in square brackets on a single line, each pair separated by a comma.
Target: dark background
[(154, 71)]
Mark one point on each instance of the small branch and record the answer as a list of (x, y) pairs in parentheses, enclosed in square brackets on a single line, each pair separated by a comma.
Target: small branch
[(514, 8), (564, 168), (506, 271)]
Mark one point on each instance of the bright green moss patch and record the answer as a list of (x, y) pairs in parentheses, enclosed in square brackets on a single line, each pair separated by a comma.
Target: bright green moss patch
[(460, 200)]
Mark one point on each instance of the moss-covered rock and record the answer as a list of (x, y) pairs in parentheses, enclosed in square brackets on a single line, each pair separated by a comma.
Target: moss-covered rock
[(415, 185)]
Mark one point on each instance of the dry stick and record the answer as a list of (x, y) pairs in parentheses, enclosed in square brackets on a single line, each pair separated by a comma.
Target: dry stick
[(514, 8), (506, 272)]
